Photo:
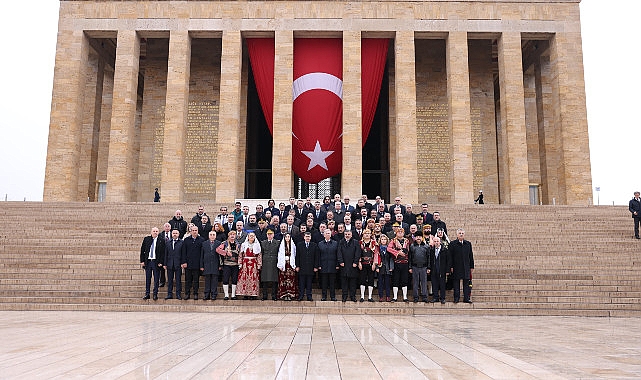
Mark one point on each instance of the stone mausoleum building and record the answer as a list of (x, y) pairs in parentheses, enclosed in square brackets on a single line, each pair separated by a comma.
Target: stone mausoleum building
[(483, 94)]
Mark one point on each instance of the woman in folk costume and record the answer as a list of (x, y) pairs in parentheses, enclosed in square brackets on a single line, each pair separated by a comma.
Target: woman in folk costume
[(250, 261), (367, 264), (228, 250), (287, 279)]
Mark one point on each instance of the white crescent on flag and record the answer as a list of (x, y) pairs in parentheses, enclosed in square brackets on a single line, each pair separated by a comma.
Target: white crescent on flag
[(317, 81)]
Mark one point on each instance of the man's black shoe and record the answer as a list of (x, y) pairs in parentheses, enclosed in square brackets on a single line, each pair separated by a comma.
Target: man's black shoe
[(467, 301), (161, 284), (187, 297), (324, 299), (196, 297), (178, 297), (333, 299), (443, 302), (169, 297), (415, 299), (146, 297), (155, 297)]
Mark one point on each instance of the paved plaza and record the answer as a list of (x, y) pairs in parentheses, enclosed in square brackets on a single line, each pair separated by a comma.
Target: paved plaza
[(295, 346)]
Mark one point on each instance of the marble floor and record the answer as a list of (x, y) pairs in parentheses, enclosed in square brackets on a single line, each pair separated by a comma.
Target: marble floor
[(110, 345)]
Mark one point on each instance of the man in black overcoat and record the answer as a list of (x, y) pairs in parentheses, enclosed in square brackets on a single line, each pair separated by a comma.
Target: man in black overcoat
[(210, 265), (269, 271), (192, 246), (462, 265), (328, 250), (349, 252)]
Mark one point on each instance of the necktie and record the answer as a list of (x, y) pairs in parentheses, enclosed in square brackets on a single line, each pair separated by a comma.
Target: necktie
[(166, 236), (152, 251), (307, 245), (173, 244)]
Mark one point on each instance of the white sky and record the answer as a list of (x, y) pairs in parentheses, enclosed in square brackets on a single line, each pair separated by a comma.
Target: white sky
[(28, 40)]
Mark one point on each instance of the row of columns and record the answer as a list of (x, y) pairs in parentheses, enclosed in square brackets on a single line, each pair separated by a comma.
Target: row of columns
[(61, 183)]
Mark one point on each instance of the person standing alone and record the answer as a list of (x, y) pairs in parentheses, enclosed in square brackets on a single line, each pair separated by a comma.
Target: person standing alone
[(635, 208)]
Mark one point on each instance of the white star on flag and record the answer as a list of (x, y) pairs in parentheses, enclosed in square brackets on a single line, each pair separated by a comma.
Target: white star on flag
[(317, 157)]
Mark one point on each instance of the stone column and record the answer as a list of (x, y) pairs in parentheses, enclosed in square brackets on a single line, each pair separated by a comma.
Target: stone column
[(352, 174), (404, 161), (568, 97), (229, 117), (172, 174), (282, 175), (458, 97), (549, 147), (515, 186), (61, 173), (125, 94)]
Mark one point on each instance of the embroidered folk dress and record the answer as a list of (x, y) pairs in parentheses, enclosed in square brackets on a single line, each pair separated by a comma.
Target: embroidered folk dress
[(249, 273), (287, 276)]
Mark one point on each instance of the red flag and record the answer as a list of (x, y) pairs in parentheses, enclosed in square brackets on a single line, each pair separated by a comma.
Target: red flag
[(317, 125)]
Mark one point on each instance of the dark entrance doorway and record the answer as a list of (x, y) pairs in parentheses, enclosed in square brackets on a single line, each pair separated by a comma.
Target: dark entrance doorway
[(376, 149), (258, 156)]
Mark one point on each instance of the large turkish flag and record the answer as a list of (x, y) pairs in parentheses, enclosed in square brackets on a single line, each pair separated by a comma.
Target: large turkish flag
[(317, 94), (317, 120)]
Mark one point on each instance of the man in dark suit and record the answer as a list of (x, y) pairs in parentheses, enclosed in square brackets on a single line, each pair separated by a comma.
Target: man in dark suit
[(318, 213), (152, 253), (229, 224), (348, 254), (192, 246), (440, 260), (271, 207), (427, 217), (635, 209), (307, 264), (462, 265), (175, 259)]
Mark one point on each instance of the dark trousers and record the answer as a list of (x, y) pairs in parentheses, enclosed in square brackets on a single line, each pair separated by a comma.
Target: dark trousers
[(192, 277), (419, 281), (328, 281), (211, 285), (457, 289), (400, 275), (305, 285), (367, 275), (438, 286), (384, 284), (151, 267), (174, 273), (637, 222), (163, 279), (230, 273), (267, 284), (348, 287)]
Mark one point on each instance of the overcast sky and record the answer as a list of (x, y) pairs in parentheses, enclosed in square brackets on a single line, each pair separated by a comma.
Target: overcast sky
[(28, 41)]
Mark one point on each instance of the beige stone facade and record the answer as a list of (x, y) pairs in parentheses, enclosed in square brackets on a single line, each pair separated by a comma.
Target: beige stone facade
[(476, 95)]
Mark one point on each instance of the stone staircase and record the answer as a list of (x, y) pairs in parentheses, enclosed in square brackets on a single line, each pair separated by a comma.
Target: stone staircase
[(530, 260)]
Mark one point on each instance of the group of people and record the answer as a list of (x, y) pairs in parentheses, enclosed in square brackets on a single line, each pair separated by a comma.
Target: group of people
[(276, 252)]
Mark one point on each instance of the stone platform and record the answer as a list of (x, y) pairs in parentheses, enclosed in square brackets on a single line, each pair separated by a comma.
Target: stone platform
[(107, 345)]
